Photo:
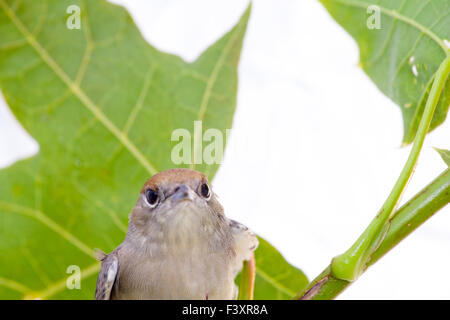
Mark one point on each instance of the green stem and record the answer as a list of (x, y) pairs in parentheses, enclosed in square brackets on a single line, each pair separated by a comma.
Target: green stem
[(349, 265), (409, 217), (414, 213), (247, 282)]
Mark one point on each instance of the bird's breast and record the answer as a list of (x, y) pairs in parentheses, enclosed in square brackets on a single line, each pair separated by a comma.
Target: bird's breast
[(196, 262)]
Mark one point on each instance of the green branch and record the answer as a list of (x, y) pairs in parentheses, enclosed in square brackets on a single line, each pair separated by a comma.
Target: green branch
[(247, 283), (410, 216), (349, 265)]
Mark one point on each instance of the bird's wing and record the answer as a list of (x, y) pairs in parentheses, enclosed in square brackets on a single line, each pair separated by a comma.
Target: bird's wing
[(246, 242), (107, 276)]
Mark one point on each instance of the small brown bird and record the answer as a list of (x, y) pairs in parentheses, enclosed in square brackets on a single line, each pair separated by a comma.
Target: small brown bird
[(179, 244)]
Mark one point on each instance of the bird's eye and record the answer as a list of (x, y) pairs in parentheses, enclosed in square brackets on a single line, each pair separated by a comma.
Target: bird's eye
[(204, 190), (152, 197)]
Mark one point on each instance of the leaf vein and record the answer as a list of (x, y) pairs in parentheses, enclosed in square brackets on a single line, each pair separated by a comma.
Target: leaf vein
[(47, 221), (86, 101), (396, 15), (274, 283), (386, 41), (209, 87), (14, 285), (60, 285), (140, 101)]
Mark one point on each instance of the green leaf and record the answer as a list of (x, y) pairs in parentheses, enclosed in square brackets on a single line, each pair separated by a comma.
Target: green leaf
[(445, 154), (102, 104), (275, 278), (403, 55)]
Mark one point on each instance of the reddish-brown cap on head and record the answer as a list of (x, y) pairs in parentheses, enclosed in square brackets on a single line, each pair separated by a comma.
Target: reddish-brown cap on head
[(174, 176)]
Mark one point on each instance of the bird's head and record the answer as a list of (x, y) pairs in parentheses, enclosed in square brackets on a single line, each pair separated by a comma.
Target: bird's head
[(175, 197)]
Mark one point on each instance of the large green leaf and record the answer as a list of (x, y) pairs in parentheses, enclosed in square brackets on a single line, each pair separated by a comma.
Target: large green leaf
[(275, 277), (403, 55), (102, 104)]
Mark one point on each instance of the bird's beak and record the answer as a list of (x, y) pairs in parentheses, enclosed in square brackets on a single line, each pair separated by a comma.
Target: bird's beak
[(182, 193)]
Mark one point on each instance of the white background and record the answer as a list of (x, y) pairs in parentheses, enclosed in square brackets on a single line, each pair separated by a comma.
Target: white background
[(315, 147)]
